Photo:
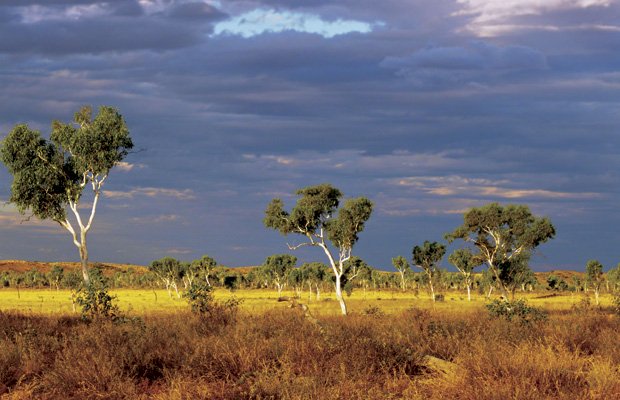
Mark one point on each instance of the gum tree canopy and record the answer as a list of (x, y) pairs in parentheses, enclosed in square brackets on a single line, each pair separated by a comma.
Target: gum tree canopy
[(502, 234), (49, 177), (318, 217)]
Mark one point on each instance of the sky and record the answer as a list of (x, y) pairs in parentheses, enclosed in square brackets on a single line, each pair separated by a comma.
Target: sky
[(427, 107)]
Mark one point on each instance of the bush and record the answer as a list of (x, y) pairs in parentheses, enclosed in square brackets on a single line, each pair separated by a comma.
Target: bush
[(199, 297), (516, 310), (616, 304), (95, 302)]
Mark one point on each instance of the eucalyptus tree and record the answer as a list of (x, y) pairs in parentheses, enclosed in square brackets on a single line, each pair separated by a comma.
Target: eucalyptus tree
[(318, 217), (594, 277), (465, 262), (427, 258), (50, 176), (402, 266), (501, 233), (277, 267), (364, 275), (169, 271), (295, 278), (203, 267), (613, 279), (55, 275), (515, 272), (314, 274)]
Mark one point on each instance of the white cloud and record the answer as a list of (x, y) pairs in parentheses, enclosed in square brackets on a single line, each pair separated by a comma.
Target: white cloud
[(126, 167), (459, 186), (155, 219), (493, 17), (261, 21), (185, 194), (36, 13)]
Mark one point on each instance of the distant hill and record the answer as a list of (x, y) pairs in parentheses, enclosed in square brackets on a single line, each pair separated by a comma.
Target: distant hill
[(108, 268), (44, 267), (111, 268)]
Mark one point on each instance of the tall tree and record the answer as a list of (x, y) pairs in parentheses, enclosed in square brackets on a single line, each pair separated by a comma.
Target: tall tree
[(317, 216), (501, 233), (594, 276), (465, 262), (427, 257), (49, 177), (402, 266)]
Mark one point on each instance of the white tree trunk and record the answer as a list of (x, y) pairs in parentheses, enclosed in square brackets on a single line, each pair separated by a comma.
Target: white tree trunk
[(343, 305), (596, 296)]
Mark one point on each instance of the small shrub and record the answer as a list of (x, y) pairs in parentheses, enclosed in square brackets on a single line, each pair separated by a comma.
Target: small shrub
[(516, 310), (373, 311), (199, 297), (584, 306), (95, 302), (439, 297), (348, 288), (616, 304)]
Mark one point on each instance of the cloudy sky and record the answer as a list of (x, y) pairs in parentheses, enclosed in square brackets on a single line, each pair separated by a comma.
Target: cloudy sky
[(428, 107)]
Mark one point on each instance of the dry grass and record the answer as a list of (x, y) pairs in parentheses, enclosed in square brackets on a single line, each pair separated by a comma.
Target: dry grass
[(278, 354)]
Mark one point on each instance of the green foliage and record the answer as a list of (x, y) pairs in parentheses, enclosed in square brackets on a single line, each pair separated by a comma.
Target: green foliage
[(594, 273), (428, 255), (316, 209), (313, 208), (556, 283), (277, 266), (400, 263), (93, 145), (167, 268), (501, 234), (199, 297), (95, 302), (616, 304), (613, 277), (514, 271), (516, 310), (314, 272), (56, 275), (47, 175), (348, 288), (464, 260), (203, 266), (343, 230)]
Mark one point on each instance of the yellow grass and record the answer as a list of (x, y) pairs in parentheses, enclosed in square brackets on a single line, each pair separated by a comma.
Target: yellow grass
[(143, 301)]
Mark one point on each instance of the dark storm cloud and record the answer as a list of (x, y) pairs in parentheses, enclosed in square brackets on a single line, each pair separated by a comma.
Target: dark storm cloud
[(127, 8), (93, 36), (428, 114), (476, 56), (196, 10)]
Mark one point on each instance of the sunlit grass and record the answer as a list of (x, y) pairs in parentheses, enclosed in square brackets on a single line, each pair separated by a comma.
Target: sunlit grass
[(144, 301)]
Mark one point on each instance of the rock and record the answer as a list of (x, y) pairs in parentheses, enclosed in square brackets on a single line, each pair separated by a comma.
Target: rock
[(446, 369)]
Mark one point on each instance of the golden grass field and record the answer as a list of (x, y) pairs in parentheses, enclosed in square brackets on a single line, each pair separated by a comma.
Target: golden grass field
[(143, 301), (267, 350)]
